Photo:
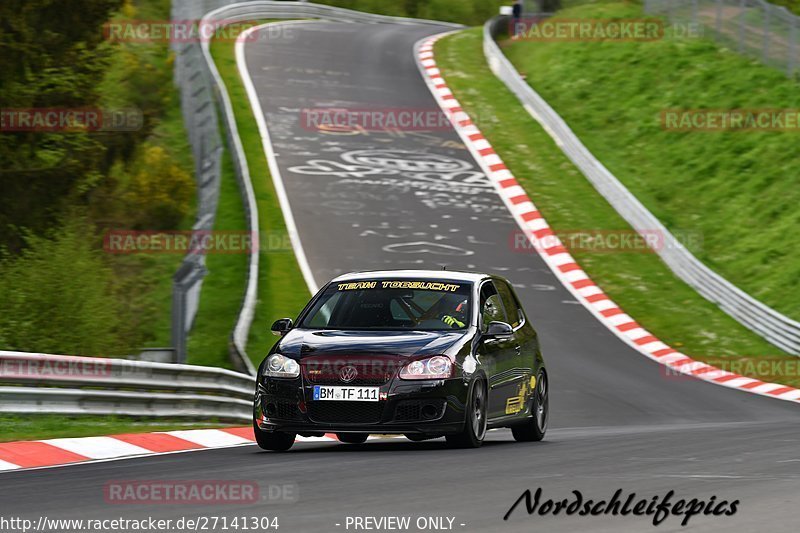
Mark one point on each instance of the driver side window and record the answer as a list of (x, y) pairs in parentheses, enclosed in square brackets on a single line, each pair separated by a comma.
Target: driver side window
[(322, 315), (491, 306)]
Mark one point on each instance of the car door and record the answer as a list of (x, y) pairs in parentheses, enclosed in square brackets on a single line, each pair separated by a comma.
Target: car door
[(525, 346), (497, 353)]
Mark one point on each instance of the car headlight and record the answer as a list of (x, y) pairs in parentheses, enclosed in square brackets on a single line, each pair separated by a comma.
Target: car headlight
[(279, 366), (436, 367)]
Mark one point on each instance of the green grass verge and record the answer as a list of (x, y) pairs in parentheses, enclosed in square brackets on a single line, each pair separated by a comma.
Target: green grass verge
[(224, 285), (736, 189), (19, 427), (282, 292), (640, 283)]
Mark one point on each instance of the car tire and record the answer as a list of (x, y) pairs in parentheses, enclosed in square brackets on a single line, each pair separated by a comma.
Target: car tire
[(276, 441), (352, 438), (536, 426), (474, 420)]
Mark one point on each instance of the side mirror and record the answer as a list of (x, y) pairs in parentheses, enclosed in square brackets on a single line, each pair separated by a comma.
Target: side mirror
[(498, 329), (281, 326)]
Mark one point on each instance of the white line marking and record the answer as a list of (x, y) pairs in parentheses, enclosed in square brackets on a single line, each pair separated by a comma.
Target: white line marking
[(5, 465), (266, 143), (97, 447), (209, 438)]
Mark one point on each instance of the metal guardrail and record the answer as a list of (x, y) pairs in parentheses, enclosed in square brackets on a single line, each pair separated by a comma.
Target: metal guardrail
[(776, 328), (768, 32), (43, 383), (198, 77), (29, 400)]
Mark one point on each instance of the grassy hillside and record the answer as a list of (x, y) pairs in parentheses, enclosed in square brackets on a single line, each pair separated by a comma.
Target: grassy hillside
[(639, 282), (737, 189)]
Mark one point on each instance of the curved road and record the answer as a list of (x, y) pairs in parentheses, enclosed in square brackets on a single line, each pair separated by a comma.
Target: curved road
[(382, 199)]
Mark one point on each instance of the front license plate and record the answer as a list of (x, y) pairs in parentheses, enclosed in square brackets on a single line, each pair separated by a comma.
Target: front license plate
[(346, 394)]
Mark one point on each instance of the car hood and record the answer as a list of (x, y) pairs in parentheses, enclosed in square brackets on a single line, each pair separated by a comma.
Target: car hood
[(300, 343)]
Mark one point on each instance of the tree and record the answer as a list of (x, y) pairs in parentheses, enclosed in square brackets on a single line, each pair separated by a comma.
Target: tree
[(52, 55)]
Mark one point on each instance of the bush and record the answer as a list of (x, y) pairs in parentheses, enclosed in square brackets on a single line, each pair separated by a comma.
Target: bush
[(158, 192), (58, 296)]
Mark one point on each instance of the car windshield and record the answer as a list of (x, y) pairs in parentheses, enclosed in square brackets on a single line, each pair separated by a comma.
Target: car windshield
[(392, 304)]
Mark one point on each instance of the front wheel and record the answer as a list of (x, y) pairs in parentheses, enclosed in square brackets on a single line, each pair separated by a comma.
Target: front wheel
[(475, 424), (276, 441), (536, 426), (352, 438)]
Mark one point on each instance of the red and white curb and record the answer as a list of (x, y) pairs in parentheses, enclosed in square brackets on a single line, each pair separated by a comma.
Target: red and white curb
[(556, 256), (57, 452)]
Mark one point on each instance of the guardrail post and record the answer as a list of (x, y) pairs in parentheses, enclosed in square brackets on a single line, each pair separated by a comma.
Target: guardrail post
[(765, 51), (742, 7), (794, 50), (186, 279)]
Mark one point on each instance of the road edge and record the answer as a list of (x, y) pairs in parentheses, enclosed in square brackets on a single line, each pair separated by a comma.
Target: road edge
[(269, 152), (51, 453)]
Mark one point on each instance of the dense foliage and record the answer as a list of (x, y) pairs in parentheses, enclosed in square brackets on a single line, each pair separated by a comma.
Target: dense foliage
[(60, 191)]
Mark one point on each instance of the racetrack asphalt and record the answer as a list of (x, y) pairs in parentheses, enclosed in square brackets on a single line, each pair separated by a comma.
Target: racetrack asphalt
[(376, 200)]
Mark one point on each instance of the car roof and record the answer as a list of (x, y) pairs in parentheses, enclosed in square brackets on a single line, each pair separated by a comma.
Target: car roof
[(451, 275)]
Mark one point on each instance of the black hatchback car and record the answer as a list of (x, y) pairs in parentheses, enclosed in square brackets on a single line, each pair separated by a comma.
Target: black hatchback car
[(420, 353)]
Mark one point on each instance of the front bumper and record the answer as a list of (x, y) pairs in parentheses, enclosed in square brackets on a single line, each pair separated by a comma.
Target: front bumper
[(424, 407)]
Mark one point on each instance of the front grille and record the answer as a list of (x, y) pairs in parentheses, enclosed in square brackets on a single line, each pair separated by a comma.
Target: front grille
[(367, 373), (327, 380), (345, 412)]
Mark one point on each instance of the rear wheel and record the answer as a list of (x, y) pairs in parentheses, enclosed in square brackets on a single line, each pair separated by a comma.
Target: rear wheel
[(276, 441), (352, 438), (475, 424), (536, 426)]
